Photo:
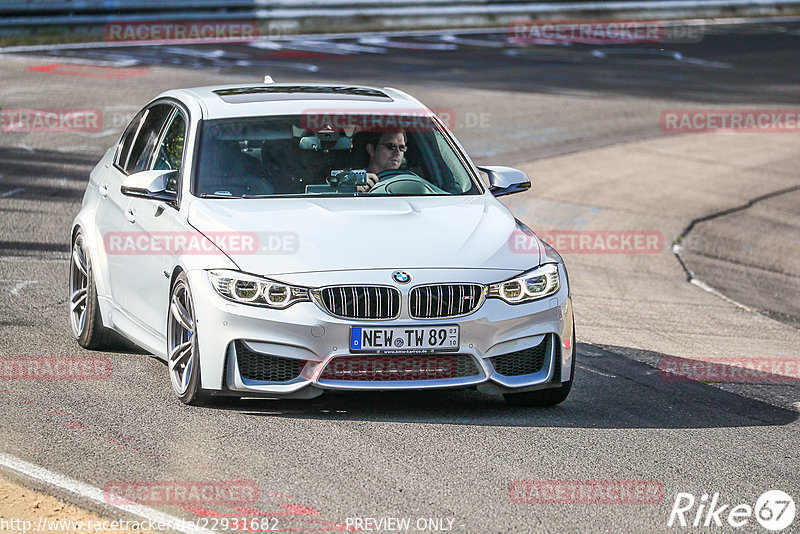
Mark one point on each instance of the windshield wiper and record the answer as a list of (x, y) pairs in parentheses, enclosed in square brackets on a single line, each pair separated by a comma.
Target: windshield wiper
[(214, 195)]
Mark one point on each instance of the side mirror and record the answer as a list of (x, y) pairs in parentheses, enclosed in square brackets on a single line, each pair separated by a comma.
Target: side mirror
[(151, 185), (505, 180)]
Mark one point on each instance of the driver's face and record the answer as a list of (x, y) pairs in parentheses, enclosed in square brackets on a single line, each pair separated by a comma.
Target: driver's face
[(383, 159)]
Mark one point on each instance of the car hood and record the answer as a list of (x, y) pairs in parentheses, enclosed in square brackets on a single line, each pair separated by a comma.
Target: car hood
[(296, 235)]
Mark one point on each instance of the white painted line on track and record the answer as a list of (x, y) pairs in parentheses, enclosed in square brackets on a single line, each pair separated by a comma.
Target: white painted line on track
[(19, 285), (303, 46), (658, 53), (101, 134), (387, 43), (69, 149), (266, 45), (7, 194), (318, 45), (707, 288), (114, 63), (449, 38), (704, 63), (61, 181), (595, 371), (87, 491), (191, 52), (332, 47)]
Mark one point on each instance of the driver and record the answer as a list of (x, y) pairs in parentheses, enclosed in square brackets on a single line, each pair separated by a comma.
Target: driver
[(385, 154)]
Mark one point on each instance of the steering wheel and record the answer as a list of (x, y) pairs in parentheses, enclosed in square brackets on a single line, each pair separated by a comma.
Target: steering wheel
[(403, 182)]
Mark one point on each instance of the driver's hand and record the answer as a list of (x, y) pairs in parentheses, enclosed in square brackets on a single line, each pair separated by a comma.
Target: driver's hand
[(372, 179)]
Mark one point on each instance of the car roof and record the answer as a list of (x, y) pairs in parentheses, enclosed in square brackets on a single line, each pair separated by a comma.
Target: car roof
[(255, 99)]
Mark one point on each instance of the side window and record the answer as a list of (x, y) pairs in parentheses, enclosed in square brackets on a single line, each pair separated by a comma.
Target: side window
[(452, 173), (126, 142), (170, 151), (142, 152)]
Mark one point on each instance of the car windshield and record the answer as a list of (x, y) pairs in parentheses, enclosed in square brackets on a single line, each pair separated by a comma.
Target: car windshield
[(324, 155)]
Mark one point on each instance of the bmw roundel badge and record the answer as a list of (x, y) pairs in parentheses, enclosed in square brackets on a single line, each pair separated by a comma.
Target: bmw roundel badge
[(401, 277)]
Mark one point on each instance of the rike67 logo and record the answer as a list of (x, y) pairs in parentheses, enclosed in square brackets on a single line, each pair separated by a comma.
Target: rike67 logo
[(774, 510)]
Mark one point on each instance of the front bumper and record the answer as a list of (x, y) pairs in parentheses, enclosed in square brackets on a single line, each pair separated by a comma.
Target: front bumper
[(303, 340)]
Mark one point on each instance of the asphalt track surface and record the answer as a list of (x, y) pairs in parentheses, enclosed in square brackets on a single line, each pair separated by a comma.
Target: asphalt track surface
[(584, 121)]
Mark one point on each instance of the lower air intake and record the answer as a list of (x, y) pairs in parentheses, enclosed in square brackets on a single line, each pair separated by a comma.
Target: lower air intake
[(522, 362), (396, 367), (265, 367)]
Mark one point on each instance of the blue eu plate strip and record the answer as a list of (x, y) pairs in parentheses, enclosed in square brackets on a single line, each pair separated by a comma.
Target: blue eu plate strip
[(355, 338)]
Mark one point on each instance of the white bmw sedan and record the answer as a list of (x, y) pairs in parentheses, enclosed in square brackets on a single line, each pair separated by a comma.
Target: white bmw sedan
[(283, 240)]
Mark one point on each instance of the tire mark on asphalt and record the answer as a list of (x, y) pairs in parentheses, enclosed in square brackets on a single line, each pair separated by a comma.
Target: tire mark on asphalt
[(741, 207), (690, 275), (743, 263), (648, 375), (34, 246)]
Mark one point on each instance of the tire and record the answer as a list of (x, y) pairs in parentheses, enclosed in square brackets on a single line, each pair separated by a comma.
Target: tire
[(84, 309), (183, 356), (546, 397)]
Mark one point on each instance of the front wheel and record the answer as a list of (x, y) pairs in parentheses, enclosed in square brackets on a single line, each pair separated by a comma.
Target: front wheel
[(84, 309), (546, 397), (183, 358)]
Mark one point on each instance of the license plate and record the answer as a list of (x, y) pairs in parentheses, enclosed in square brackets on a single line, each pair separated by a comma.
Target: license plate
[(418, 339)]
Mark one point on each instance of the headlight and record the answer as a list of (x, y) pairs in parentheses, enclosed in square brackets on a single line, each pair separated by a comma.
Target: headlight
[(535, 284), (248, 289)]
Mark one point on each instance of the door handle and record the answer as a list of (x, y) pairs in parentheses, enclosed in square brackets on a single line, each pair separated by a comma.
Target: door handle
[(131, 216), (104, 190)]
